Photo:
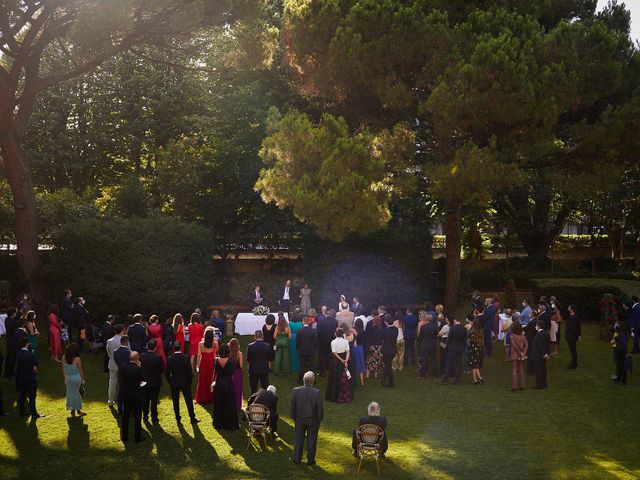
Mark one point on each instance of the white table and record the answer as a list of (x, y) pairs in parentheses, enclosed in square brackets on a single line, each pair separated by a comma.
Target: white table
[(248, 323)]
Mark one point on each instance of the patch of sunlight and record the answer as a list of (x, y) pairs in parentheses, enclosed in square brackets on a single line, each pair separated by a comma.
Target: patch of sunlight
[(613, 468), (7, 447)]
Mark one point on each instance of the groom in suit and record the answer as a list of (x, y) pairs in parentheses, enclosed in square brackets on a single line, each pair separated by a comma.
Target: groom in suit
[(286, 294), (307, 411)]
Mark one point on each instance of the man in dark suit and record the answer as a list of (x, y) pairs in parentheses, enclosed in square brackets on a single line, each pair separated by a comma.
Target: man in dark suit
[(286, 294), (487, 321), (67, 310), (307, 411), (120, 357), (258, 355), (326, 333), (130, 376), (545, 316), (373, 418), (307, 345), (179, 375), (80, 320), (11, 325), (152, 370), (410, 322), (137, 334), (269, 399), (634, 323), (27, 379), (427, 343), (455, 348), (108, 332), (389, 340), (540, 352), (256, 297), (573, 333), (530, 332), (356, 307)]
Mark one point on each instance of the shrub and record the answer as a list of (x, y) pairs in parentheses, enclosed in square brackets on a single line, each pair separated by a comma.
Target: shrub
[(155, 265)]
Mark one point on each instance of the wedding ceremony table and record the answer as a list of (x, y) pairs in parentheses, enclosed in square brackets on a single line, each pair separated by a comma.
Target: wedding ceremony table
[(248, 323)]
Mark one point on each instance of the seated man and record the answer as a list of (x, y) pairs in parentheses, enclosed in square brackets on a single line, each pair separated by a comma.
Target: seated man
[(373, 418), (269, 399)]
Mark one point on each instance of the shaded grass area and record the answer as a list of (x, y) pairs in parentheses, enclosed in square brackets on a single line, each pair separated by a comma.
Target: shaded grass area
[(583, 426)]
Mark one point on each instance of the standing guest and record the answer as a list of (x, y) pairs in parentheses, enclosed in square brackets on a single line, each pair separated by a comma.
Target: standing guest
[(167, 336), (225, 409), (389, 348), (312, 317), (268, 398), (305, 299), (373, 333), (256, 297), (196, 332), (476, 344), (323, 312), (554, 332), (27, 379), (398, 359), (443, 334), (137, 334), (178, 330), (357, 351), (121, 356), (32, 333), (373, 418), (11, 326), (634, 323), (455, 348), (525, 313), (544, 315), (530, 332), (152, 366), (282, 336), (356, 307), (108, 332), (344, 315), (307, 346), (620, 342), (467, 326), (130, 376), (338, 389), (428, 344), (505, 332), (519, 350), (154, 332), (573, 334), (112, 345), (286, 294), (207, 352), (80, 320), (67, 309), (74, 378), (236, 355), (410, 332), (268, 335), (21, 332), (306, 412), (540, 352), (258, 357), (326, 333), (476, 301), (216, 320), (179, 375), (55, 341), (294, 326), (487, 325)]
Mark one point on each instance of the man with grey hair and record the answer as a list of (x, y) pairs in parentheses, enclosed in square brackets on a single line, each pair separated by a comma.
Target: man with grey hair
[(373, 418), (307, 411), (269, 399)]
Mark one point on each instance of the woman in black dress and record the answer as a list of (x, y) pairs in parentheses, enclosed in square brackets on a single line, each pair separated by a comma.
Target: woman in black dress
[(225, 412), (476, 351), (268, 335)]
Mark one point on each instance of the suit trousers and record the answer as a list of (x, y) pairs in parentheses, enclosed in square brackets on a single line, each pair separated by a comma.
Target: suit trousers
[(488, 344), (621, 365), (454, 366), (131, 407), (428, 362), (636, 340), (540, 369), (253, 382), (188, 399), (150, 401), (113, 386), (10, 361), (324, 354), (409, 352), (573, 348), (305, 364), (387, 377), (30, 393), (308, 427)]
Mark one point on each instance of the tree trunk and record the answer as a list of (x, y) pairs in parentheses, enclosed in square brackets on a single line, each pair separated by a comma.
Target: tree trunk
[(453, 231)]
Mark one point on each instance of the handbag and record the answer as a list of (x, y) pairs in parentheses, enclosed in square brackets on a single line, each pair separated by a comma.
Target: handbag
[(82, 390)]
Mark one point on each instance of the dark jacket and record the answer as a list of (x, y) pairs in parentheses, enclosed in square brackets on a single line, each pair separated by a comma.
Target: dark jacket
[(428, 336), (129, 377), (258, 356), (26, 377), (306, 341), (373, 334), (327, 330), (389, 337), (18, 334), (80, 316), (541, 346), (67, 310), (107, 332), (11, 326), (178, 370), (410, 326), (137, 337), (546, 318), (456, 339), (121, 356), (373, 420), (266, 398), (306, 402), (573, 328), (152, 369)]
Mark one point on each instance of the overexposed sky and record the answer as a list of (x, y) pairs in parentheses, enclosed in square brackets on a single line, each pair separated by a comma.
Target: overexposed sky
[(634, 7)]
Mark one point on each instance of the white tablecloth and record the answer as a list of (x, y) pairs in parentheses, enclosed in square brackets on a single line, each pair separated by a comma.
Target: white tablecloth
[(248, 323)]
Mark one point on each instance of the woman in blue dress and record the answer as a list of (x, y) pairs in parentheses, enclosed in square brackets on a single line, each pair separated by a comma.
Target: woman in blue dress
[(73, 379), (294, 325), (357, 366)]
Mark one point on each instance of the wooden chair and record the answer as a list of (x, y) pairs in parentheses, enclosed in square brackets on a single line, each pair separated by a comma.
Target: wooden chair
[(369, 444), (258, 423)]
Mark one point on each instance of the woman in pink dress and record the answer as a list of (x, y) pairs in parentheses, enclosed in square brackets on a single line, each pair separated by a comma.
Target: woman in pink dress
[(154, 332), (196, 332), (178, 330), (236, 377), (207, 351), (55, 329)]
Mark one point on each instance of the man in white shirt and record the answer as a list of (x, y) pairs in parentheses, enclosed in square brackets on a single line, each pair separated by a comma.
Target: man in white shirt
[(285, 297), (112, 345)]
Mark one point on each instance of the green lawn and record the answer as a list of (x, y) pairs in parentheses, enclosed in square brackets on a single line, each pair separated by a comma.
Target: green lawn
[(582, 427)]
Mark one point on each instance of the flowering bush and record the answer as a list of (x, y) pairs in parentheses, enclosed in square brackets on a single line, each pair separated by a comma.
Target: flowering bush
[(261, 310)]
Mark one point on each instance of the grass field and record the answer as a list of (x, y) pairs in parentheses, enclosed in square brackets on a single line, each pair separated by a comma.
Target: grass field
[(582, 427)]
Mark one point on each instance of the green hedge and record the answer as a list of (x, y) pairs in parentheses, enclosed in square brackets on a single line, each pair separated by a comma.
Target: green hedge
[(153, 265)]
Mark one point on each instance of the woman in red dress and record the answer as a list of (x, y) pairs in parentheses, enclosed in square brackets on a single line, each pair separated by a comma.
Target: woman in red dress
[(196, 332), (154, 332), (178, 330), (55, 341), (207, 351)]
